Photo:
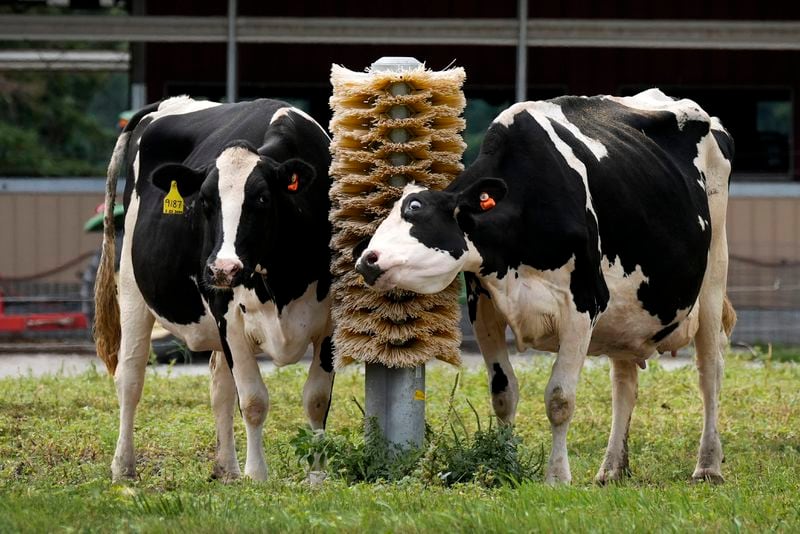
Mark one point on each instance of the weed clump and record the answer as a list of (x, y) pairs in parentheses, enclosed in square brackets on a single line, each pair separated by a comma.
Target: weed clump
[(490, 456)]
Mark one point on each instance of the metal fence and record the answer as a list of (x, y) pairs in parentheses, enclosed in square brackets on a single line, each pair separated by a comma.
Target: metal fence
[(766, 296)]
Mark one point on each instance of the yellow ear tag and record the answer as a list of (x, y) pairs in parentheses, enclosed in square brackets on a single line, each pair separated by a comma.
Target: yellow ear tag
[(173, 202), (419, 395)]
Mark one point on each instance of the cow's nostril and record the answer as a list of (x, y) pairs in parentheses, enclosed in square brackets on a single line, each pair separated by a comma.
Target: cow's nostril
[(368, 267)]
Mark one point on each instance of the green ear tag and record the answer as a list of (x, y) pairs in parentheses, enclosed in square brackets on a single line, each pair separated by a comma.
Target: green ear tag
[(173, 202)]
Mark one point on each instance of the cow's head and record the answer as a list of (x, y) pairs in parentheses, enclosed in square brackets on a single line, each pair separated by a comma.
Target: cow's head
[(424, 242), (241, 195)]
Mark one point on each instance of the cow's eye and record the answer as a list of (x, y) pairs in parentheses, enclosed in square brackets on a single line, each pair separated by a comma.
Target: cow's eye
[(414, 205), (262, 199)]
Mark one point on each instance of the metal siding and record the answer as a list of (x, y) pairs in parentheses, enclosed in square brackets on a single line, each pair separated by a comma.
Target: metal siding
[(39, 232), (764, 229)]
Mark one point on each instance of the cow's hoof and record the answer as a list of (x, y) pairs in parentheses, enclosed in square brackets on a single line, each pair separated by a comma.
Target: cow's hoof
[(226, 476), (712, 476), (121, 474), (556, 481), (123, 479), (258, 475), (609, 476)]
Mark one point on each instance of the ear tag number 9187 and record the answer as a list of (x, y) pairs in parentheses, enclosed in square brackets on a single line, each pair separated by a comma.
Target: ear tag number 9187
[(173, 202)]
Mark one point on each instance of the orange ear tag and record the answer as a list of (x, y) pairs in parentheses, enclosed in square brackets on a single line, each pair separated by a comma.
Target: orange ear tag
[(293, 183), (487, 202)]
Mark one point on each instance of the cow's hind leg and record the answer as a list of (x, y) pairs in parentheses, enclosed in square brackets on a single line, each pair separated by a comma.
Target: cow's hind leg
[(137, 325), (559, 396), (223, 403), (710, 367), (319, 384), (317, 393), (624, 385), (490, 332), (709, 340)]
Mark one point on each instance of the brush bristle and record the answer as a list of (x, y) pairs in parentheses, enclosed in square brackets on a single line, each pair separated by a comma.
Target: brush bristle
[(390, 328)]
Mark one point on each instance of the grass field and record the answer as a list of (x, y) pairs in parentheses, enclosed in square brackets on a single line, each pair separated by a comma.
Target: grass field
[(57, 437)]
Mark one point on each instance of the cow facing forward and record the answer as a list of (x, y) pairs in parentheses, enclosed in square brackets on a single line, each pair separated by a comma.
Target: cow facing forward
[(226, 245), (587, 225)]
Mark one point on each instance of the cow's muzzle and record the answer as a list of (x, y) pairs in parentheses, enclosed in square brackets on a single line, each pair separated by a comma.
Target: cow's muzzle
[(367, 266), (223, 272)]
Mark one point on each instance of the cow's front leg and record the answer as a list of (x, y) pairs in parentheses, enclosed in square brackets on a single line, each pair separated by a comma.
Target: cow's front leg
[(253, 401), (490, 330), (319, 384), (559, 396), (624, 385), (223, 403)]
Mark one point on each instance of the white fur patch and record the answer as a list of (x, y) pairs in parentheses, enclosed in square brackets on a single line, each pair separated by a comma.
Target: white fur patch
[(655, 100), (554, 112), (536, 304), (533, 303), (180, 105), (285, 336), (235, 165), (284, 112)]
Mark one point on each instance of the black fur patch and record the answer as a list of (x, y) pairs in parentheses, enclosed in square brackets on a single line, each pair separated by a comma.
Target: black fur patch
[(499, 379), (439, 230), (664, 332), (474, 291), (219, 305), (326, 355)]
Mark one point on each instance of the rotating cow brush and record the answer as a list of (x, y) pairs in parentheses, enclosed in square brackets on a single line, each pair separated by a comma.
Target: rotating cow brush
[(389, 129)]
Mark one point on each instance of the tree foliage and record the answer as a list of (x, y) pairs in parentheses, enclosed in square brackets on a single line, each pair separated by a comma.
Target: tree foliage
[(59, 123)]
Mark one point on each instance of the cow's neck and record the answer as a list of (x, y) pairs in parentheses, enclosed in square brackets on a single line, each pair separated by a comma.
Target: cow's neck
[(296, 258)]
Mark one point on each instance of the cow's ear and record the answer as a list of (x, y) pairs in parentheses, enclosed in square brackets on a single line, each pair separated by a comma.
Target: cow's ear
[(293, 176), (483, 195), (189, 180)]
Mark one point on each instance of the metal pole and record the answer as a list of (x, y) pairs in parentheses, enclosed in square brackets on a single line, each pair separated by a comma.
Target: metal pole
[(138, 83), (522, 50), (231, 81), (395, 397)]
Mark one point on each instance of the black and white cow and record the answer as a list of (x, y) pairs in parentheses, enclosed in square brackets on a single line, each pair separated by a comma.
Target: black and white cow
[(588, 225), (243, 269)]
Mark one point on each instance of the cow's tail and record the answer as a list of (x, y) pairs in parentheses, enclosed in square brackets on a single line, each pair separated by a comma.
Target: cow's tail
[(728, 316), (106, 330)]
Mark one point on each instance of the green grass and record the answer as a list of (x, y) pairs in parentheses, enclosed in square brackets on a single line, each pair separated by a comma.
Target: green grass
[(57, 437)]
